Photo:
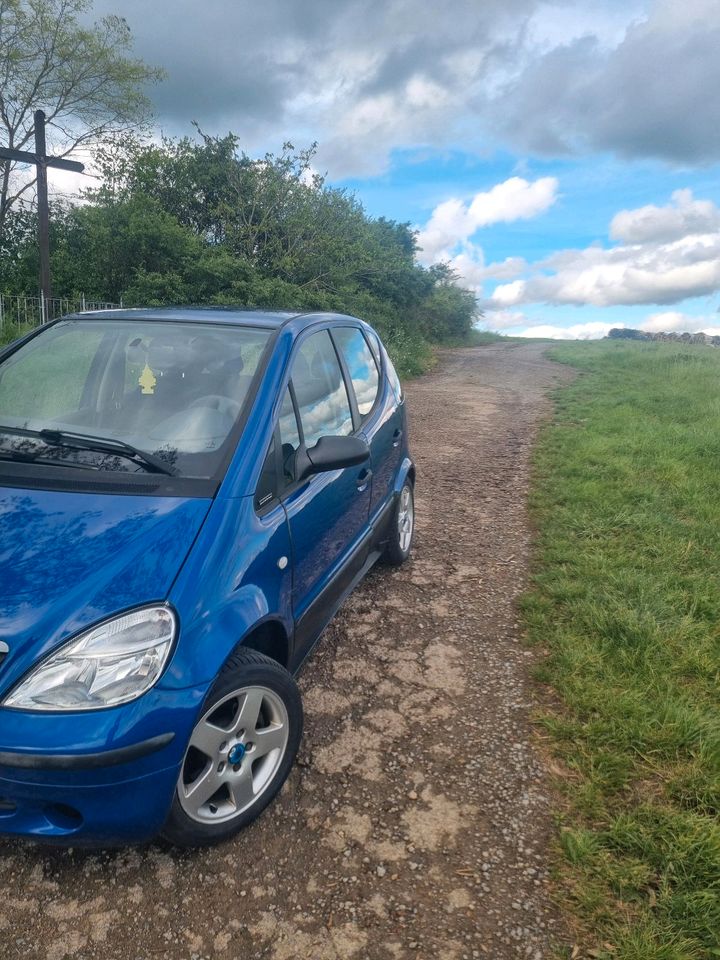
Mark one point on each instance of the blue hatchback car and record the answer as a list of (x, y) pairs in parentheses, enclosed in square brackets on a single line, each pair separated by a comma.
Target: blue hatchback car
[(186, 497)]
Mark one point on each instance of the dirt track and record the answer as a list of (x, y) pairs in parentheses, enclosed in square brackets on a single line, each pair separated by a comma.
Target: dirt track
[(416, 822)]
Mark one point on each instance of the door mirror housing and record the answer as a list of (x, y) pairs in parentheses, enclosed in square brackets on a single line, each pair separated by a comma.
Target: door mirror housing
[(332, 453)]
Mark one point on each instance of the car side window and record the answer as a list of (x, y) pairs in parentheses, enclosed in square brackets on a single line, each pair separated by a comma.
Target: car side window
[(361, 366), (289, 439), (320, 390)]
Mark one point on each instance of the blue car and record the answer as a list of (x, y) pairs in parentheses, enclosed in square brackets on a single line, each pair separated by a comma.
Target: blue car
[(186, 498)]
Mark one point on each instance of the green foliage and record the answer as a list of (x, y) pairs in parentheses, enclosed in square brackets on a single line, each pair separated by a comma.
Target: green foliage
[(198, 221), (627, 600)]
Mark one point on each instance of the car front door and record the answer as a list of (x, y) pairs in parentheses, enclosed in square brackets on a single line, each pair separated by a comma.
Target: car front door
[(327, 512)]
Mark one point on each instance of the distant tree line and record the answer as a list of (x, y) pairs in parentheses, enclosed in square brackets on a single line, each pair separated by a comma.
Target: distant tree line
[(628, 333), (198, 221)]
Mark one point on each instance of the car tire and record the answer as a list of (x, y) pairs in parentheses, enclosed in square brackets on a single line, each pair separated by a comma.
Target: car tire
[(402, 528), (240, 753)]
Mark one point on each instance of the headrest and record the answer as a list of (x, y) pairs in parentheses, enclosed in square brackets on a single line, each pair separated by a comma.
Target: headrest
[(326, 370), (170, 354), (233, 367)]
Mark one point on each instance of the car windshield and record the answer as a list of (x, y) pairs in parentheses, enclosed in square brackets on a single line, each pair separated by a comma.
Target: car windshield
[(127, 395)]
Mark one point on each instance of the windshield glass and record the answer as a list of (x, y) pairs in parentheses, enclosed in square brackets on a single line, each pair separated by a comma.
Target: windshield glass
[(173, 390)]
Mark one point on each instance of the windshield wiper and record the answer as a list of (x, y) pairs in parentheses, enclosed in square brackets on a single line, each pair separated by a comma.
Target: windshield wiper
[(81, 441)]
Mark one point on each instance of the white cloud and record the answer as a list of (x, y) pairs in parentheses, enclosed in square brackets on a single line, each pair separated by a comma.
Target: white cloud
[(681, 218), (454, 221), (652, 271), (469, 265), (507, 269), (579, 331), (509, 294), (504, 319)]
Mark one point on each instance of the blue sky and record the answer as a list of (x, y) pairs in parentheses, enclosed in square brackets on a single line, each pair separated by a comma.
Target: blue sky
[(591, 191), (563, 155)]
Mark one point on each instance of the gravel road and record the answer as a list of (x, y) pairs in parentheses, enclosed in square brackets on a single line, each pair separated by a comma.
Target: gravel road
[(417, 821)]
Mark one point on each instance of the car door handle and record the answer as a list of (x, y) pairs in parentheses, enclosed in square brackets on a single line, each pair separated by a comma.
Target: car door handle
[(364, 478), (397, 437)]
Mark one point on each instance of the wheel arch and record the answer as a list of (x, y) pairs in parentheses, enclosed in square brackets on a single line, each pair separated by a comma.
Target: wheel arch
[(406, 472), (269, 638)]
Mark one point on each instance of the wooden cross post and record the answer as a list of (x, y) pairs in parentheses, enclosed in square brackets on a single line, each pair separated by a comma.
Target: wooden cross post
[(41, 160)]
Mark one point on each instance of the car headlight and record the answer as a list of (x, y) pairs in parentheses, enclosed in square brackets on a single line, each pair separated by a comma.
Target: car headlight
[(114, 662)]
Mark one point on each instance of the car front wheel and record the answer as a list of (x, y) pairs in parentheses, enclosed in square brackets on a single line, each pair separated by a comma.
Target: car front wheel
[(240, 752)]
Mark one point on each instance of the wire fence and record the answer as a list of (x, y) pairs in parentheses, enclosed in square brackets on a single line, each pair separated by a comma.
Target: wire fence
[(19, 314)]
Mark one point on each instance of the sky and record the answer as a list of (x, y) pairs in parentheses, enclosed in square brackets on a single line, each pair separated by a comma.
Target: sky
[(563, 156)]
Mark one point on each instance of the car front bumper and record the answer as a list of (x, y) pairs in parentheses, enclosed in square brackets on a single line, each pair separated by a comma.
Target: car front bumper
[(99, 778)]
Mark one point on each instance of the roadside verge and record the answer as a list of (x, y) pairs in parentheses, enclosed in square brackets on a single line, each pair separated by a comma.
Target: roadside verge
[(626, 602)]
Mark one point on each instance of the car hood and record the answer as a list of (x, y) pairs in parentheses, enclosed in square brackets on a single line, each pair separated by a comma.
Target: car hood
[(68, 560)]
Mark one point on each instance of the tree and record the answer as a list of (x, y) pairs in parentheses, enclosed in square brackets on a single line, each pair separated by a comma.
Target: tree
[(82, 77), (200, 221)]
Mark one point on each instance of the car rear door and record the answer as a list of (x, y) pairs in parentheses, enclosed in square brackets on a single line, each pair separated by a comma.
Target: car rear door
[(328, 512), (380, 407)]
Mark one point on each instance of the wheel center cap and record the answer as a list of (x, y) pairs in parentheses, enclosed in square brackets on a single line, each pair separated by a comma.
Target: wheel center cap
[(237, 753)]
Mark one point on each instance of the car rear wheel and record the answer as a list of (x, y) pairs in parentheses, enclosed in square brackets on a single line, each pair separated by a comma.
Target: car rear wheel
[(240, 752), (403, 527)]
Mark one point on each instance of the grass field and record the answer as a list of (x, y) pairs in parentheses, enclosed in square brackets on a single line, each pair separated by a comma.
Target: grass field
[(626, 600)]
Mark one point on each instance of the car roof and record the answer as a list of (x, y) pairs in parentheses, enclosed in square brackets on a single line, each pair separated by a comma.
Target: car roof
[(234, 316)]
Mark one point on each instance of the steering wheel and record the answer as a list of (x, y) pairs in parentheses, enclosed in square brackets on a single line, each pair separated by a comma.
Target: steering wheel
[(225, 405)]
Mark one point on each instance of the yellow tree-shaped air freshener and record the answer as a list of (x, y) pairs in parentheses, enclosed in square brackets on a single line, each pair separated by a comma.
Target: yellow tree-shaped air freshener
[(147, 380)]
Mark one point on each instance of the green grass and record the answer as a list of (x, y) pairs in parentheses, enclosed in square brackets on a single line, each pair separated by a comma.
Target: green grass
[(411, 355), (481, 338), (626, 600), (11, 331)]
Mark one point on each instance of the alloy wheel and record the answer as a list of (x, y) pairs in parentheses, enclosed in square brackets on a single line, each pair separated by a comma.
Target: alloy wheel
[(406, 519), (234, 753)]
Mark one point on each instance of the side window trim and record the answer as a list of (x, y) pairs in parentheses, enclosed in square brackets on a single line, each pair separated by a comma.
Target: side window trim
[(278, 463), (261, 508), (296, 409)]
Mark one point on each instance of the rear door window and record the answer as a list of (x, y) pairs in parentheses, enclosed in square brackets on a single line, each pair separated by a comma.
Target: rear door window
[(361, 366)]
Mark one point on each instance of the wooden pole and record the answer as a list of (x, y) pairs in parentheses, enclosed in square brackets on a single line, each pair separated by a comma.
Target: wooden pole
[(43, 207), (42, 161)]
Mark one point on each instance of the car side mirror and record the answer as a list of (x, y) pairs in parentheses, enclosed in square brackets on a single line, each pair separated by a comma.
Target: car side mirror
[(332, 453)]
